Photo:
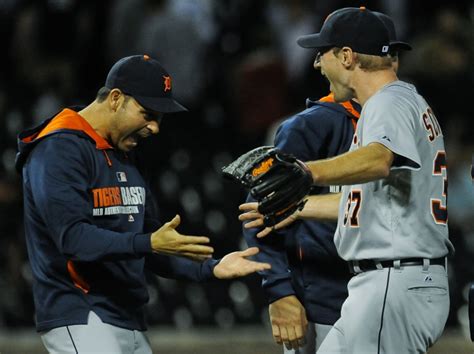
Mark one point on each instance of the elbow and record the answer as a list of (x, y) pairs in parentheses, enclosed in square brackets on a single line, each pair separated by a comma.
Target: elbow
[(384, 166), (65, 247), (384, 160), (69, 246), (384, 171), (69, 252)]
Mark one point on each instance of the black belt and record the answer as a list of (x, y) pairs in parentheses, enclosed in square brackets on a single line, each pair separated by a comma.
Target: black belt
[(365, 265)]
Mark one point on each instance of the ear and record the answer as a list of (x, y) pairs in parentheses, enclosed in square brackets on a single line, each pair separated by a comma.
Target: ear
[(116, 99), (347, 57)]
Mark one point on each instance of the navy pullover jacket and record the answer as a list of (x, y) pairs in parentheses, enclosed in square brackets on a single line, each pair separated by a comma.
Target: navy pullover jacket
[(88, 222), (303, 256)]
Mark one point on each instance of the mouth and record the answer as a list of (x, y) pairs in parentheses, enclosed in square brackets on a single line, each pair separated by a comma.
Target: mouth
[(135, 137), (131, 140)]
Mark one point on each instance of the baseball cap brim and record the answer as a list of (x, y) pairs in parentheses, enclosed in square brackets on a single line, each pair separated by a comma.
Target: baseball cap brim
[(313, 41), (160, 104), (399, 45)]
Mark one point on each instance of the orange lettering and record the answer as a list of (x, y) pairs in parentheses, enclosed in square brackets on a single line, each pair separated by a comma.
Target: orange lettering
[(106, 197), (96, 194), (264, 167), (116, 194)]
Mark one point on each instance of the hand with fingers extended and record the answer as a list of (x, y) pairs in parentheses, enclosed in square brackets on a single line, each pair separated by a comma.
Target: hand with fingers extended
[(289, 323), (253, 218), (236, 264), (167, 240)]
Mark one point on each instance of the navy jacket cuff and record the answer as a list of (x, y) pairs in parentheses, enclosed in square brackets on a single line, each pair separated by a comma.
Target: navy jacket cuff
[(207, 270), (142, 244), (278, 289)]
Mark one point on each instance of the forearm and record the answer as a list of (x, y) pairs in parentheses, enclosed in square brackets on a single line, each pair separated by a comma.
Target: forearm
[(363, 165), (85, 242), (323, 207), (180, 268)]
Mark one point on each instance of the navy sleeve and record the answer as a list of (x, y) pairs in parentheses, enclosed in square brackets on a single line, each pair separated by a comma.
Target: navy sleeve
[(305, 139), (152, 220), (276, 281), (180, 268), (58, 178), (306, 135)]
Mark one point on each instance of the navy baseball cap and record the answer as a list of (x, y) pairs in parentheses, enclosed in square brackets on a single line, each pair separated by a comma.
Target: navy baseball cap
[(357, 28), (146, 81), (395, 45)]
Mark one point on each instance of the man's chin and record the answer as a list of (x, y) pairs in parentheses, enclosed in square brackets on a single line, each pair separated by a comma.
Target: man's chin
[(129, 143), (126, 147)]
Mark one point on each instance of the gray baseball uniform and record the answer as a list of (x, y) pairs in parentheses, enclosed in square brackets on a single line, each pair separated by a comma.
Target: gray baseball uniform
[(95, 337), (397, 228), (315, 335)]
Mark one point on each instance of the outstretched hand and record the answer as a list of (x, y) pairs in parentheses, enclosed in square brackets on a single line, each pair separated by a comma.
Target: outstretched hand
[(255, 219), (236, 264), (168, 241)]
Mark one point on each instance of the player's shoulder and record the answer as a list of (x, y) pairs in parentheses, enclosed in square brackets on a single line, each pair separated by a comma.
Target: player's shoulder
[(65, 141), (316, 112), (395, 93), (63, 147)]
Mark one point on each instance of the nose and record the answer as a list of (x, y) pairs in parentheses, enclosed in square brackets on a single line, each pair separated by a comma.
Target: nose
[(153, 127)]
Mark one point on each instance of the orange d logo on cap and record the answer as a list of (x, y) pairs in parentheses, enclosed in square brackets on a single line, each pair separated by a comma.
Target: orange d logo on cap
[(143, 78), (167, 83)]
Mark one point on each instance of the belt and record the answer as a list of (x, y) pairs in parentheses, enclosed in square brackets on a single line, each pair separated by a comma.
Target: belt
[(365, 265)]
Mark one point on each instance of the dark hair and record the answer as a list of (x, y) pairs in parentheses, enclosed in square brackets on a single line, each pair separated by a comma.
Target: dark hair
[(369, 62), (104, 92), (394, 55)]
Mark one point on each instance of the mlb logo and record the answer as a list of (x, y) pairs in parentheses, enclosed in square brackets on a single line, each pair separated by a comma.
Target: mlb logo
[(121, 177), (385, 49)]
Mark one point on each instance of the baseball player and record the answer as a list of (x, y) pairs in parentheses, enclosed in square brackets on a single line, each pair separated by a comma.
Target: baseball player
[(392, 215), (310, 278), (90, 222)]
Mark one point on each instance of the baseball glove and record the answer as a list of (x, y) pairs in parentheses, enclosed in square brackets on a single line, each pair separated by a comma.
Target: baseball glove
[(278, 181)]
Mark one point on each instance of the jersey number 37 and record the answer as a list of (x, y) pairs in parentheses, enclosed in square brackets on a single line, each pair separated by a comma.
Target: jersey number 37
[(439, 211)]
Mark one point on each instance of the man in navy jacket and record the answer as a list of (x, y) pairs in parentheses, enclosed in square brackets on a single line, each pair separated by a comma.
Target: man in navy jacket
[(90, 224)]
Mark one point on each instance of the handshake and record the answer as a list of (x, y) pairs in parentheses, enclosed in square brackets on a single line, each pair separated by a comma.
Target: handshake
[(278, 181)]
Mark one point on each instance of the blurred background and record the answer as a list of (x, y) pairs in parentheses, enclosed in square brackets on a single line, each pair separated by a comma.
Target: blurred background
[(236, 66)]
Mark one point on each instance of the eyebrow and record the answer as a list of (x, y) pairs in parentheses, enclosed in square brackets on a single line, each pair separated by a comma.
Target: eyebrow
[(152, 114)]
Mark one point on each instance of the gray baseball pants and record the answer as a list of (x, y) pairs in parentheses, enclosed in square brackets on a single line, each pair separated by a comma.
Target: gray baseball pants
[(314, 338), (95, 337), (391, 311)]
